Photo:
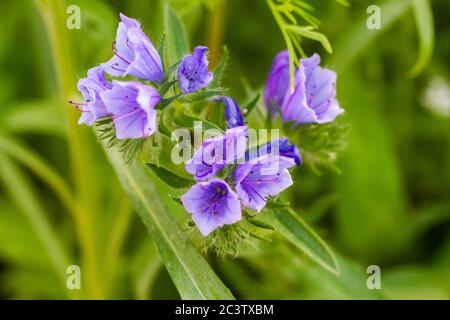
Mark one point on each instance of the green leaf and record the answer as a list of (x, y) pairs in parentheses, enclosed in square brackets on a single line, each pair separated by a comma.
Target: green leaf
[(294, 229), (204, 94), (190, 121), (177, 44), (308, 32), (189, 271), (220, 69), (251, 105), (169, 177), (425, 26)]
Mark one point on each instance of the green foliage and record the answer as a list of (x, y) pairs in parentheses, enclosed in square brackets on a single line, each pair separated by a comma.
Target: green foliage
[(190, 273), (291, 226), (287, 14), (389, 206), (320, 144), (425, 26), (177, 43)]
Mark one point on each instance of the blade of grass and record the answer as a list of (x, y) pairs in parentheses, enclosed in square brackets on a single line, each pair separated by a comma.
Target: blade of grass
[(22, 194), (423, 16), (297, 231), (53, 13)]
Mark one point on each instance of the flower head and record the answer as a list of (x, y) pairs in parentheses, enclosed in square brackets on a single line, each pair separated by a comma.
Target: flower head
[(193, 72), (278, 82), (212, 205), (217, 152), (233, 113), (257, 180), (132, 105), (93, 107), (134, 53), (313, 99)]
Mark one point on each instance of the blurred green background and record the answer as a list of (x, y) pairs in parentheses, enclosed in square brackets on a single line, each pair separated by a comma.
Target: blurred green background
[(61, 204)]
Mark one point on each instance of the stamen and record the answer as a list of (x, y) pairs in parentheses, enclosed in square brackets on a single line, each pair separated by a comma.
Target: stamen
[(117, 53), (114, 66)]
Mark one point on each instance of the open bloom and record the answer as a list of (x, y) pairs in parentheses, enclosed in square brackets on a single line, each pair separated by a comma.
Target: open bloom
[(212, 205), (217, 152), (193, 72), (233, 113), (132, 105), (93, 107), (257, 180), (134, 53), (313, 99)]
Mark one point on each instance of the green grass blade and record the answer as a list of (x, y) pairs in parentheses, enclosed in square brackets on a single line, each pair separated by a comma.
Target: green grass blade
[(425, 27), (189, 271), (294, 229), (19, 189)]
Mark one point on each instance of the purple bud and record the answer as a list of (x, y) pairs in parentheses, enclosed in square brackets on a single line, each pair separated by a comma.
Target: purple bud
[(212, 205), (193, 72), (132, 105), (233, 113), (277, 83), (283, 148), (134, 53)]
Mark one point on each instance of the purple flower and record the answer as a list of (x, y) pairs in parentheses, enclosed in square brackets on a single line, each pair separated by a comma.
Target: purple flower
[(217, 152), (93, 107), (193, 72), (212, 205), (278, 82), (132, 105), (278, 147), (259, 179), (233, 113), (313, 99), (134, 53)]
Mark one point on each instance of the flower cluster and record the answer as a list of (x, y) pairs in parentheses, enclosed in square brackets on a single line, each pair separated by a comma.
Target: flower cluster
[(255, 177), (133, 105), (229, 177)]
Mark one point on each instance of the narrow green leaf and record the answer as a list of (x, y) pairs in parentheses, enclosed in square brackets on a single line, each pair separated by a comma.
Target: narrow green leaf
[(177, 43), (204, 94), (162, 49), (189, 271), (190, 122), (248, 109), (294, 229), (425, 27), (308, 32), (169, 177), (220, 69)]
